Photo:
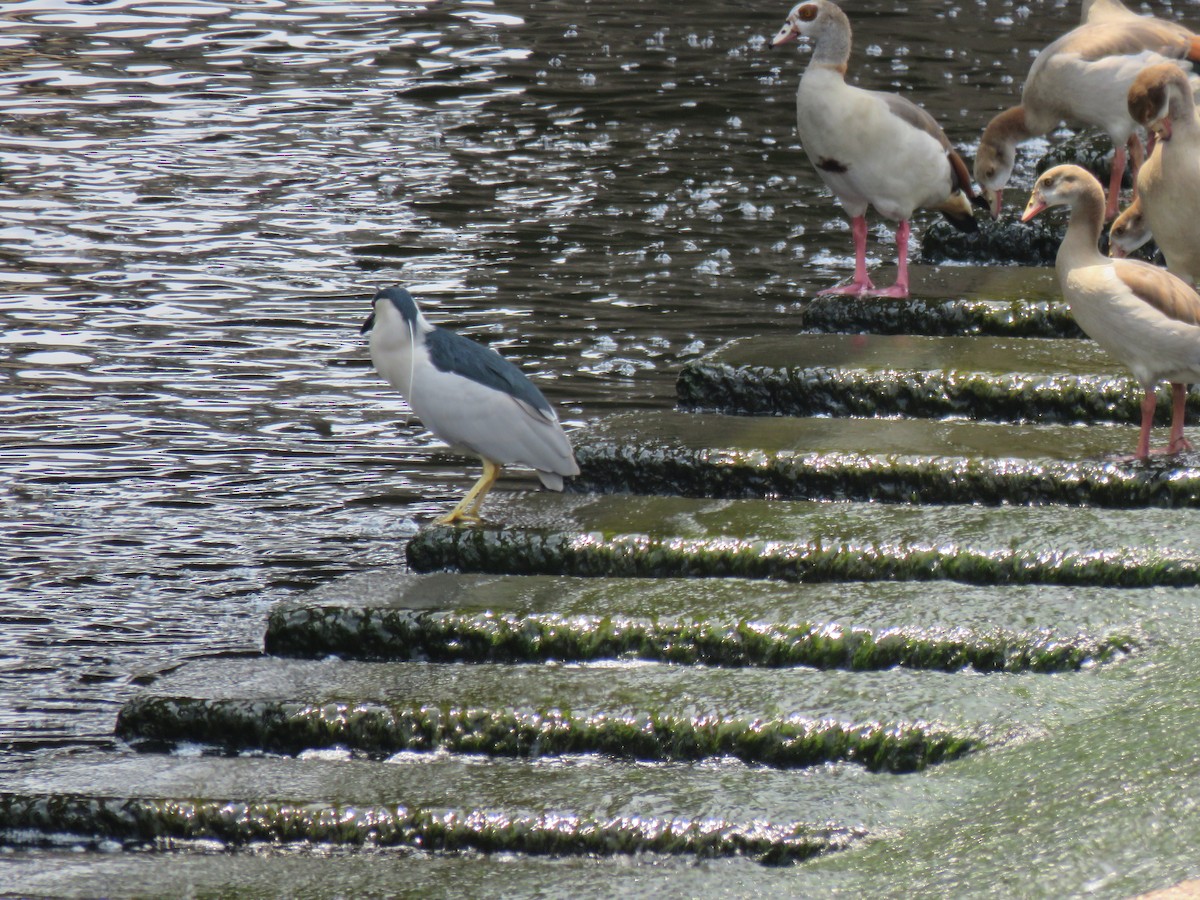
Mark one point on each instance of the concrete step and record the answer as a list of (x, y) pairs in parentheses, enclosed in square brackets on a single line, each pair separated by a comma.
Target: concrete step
[(622, 535), (890, 460), (466, 618), (996, 379)]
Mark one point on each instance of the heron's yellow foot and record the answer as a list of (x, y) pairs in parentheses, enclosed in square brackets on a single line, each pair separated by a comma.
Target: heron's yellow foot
[(455, 517), (468, 508)]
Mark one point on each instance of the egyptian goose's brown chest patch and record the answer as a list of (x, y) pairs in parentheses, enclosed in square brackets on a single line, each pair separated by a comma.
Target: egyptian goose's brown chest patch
[(828, 164)]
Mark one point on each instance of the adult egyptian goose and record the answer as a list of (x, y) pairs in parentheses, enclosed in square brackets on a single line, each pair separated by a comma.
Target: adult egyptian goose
[(871, 148), (1082, 78), (1169, 183), (1143, 315), (1128, 231)]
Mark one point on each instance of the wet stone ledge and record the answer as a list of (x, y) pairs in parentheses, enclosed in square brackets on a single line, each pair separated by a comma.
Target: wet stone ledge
[(1008, 239), (388, 633), (139, 822), (826, 391), (382, 729), (983, 378), (1005, 240), (642, 467), (937, 316), (518, 551)]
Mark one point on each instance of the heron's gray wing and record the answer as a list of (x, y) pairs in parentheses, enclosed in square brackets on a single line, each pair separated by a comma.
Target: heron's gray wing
[(452, 352)]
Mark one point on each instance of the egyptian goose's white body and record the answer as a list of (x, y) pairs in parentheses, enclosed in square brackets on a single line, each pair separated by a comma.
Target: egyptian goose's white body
[(1169, 182), (868, 151), (870, 148), (1083, 78), (1096, 11), (1143, 315)]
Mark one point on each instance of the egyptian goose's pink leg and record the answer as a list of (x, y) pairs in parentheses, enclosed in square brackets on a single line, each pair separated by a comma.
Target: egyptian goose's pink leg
[(1149, 402), (900, 288), (1137, 156), (1114, 183), (861, 283), (1178, 410)]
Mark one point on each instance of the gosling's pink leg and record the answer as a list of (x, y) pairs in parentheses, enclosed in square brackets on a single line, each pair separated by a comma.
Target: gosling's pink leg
[(900, 288), (861, 283)]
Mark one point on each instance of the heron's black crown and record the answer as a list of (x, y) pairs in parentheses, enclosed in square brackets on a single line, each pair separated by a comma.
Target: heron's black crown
[(402, 300)]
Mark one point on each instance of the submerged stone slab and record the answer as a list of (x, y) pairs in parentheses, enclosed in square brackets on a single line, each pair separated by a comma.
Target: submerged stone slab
[(889, 460), (624, 535), (998, 379)]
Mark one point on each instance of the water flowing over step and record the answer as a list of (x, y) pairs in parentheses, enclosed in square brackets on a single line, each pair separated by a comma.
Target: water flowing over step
[(337, 801), (467, 619), (624, 535), (901, 461), (625, 712), (997, 379)]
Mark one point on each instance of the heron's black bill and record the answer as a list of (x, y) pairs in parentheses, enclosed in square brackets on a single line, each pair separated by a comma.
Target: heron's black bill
[(368, 325)]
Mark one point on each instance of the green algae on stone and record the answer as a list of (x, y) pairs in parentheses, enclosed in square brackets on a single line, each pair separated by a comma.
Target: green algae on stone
[(30, 819), (385, 728), (623, 466), (485, 636), (709, 384), (915, 315), (517, 551)]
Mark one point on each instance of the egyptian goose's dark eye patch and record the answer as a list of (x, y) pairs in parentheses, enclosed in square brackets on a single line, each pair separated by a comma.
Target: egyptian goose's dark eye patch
[(808, 13)]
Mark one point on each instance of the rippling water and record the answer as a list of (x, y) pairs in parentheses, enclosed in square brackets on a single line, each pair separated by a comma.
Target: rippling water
[(198, 197)]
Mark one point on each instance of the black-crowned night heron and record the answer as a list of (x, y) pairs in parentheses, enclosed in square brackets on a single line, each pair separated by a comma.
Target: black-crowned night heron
[(469, 396)]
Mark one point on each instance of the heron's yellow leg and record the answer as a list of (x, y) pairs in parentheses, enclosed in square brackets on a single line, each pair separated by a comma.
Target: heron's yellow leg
[(468, 508), (491, 472)]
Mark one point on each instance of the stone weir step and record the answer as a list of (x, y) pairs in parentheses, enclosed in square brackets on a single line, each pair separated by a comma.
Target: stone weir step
[(626, 535), (443, 803), (998, 379), (464, 618), (782, 718), (1003, 301), (891, 460)]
